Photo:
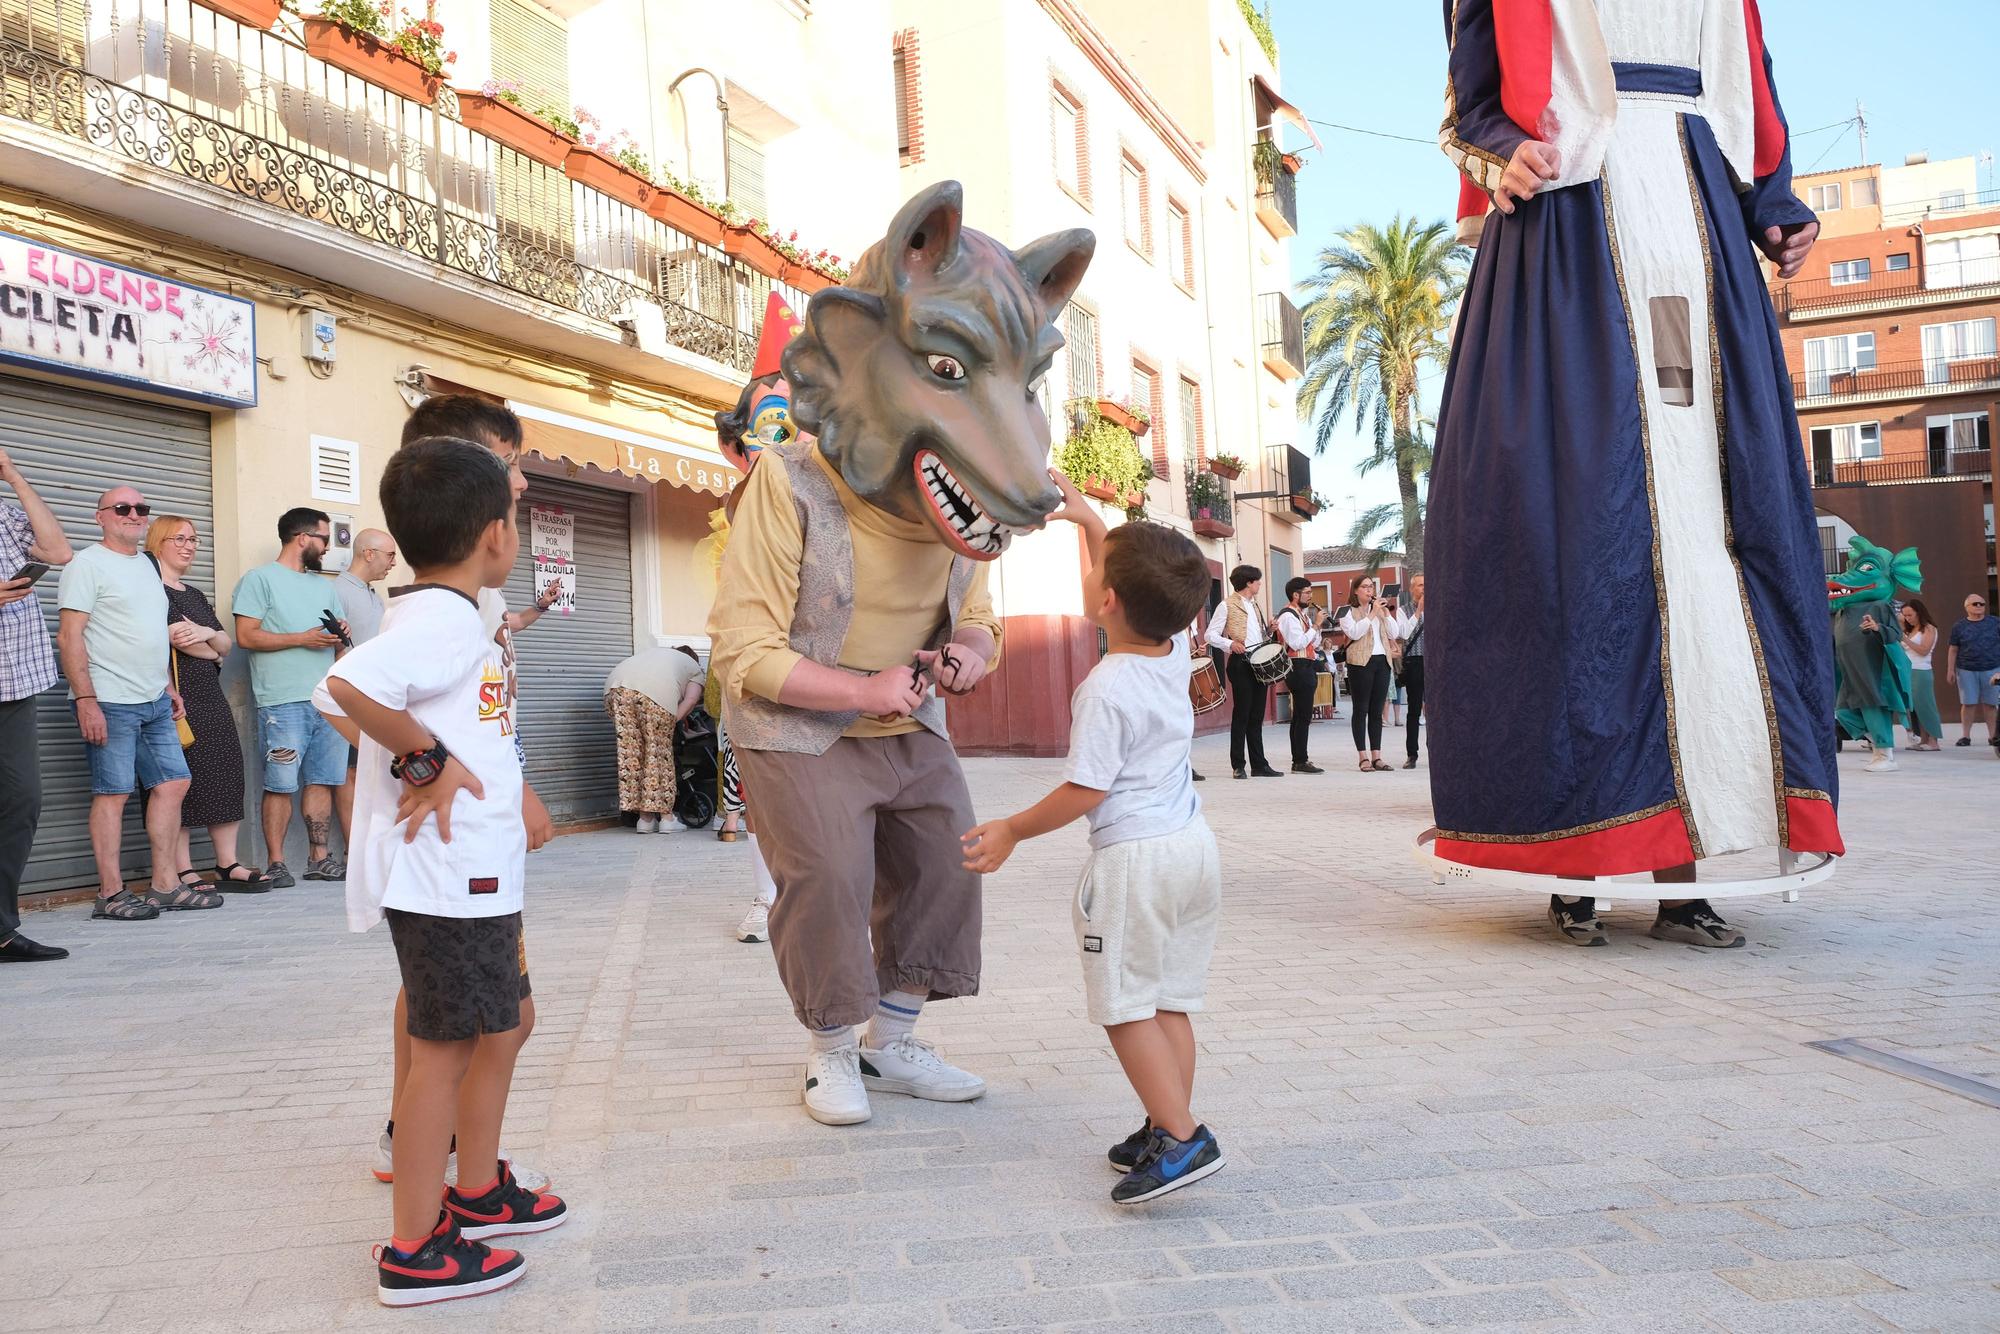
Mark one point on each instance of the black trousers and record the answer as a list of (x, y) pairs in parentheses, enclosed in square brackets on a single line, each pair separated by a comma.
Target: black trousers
[(20, 804), (1369, 685), (1246, 714), (1303, 683), (1413, 715)]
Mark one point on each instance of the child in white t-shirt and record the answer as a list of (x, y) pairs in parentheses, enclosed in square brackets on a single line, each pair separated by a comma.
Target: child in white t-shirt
[(1151, 893), (439, 847)]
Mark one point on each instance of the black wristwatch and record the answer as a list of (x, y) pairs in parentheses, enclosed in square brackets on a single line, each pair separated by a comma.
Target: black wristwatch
[(420, 768)]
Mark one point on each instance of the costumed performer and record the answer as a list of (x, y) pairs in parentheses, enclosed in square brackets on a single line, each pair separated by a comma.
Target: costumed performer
[(1617, 419), (855, 579), (1870, 666)]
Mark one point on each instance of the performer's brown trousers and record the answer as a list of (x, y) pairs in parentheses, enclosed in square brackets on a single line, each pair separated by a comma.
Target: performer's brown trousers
[(863, 842)]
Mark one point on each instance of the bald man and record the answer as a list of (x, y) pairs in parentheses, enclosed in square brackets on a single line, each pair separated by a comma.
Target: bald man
[(374, 557)]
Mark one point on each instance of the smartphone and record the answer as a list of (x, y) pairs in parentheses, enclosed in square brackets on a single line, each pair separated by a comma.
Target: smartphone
[(32, 572)]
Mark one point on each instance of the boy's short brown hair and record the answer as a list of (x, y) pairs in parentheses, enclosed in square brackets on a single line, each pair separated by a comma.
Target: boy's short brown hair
[(1159, 576)]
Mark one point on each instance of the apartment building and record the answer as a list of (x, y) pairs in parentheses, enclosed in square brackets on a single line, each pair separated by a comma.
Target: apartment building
[(237, 243), (1140, 123), (1890, 336)]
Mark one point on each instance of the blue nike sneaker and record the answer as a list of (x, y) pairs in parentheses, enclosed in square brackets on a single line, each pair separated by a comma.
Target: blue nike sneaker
[(1168, 1164)]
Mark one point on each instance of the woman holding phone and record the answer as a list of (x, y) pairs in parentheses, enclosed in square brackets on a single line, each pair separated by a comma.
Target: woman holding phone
[(1370, 626)]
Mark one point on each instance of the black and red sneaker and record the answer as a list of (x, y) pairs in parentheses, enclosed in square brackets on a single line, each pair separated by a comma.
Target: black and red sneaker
[(447, 1265), (508, 1208)]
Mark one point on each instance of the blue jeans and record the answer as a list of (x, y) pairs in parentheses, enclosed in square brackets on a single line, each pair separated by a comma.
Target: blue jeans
[(1975, 686), (300, 744), (141, 747)]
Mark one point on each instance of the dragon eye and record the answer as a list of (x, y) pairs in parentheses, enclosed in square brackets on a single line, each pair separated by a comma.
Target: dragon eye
[(945, 368)]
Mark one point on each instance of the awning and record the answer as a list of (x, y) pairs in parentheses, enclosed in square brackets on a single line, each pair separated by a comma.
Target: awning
[(690, 461), (1283, 110)]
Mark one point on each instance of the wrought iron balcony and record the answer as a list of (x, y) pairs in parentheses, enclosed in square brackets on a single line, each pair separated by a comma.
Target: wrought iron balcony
[(278, 134), (1282, 333), (1942, 283), (1896, 380), (1278, 202), (1930, 466)]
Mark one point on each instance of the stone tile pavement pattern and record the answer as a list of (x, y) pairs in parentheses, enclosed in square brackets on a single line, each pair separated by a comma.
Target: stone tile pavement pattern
[(1437, 1116)]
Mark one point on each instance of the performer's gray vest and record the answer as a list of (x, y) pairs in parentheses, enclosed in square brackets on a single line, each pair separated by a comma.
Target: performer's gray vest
[(820, 620)]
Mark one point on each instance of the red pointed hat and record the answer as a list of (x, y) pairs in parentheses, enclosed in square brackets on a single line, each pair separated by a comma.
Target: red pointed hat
[(781, 324)]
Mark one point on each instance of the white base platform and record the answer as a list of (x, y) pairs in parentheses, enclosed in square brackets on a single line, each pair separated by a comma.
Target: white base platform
[(1794, 874)]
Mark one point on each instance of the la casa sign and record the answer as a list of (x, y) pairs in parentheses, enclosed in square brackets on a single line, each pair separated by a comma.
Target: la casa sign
[(63, 311), (658, 465)]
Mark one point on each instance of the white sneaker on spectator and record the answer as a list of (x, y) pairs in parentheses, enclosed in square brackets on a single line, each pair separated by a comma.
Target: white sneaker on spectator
[(1884, 762), (648, 824), (908, 1064), (756, 924), (385, 1167), (834, 1093)]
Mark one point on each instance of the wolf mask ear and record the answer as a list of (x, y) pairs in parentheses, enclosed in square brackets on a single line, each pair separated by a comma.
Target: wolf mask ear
[(924, 237), (1054, 265), (840, 325)]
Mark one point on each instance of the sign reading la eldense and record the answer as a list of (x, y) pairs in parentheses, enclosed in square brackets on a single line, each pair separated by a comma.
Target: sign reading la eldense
[(68, 312)]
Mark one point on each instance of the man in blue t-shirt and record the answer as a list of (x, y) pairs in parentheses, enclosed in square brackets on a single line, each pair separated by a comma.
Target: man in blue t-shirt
[(281, 614), (1974, 662)]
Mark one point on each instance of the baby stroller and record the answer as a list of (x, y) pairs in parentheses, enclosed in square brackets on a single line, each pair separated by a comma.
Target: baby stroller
[(697, 769)]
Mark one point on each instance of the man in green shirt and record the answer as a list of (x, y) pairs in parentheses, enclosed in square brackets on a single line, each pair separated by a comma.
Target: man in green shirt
[(281, 610)]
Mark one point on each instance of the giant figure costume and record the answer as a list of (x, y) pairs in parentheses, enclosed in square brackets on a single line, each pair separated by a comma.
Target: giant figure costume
[(921, 453), (1871, 668), (1629, 667)]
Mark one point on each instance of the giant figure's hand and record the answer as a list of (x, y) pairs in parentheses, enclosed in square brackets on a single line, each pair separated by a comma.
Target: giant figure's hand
[(954, 667), (1535, 164), (896, 693), (1786, 247)]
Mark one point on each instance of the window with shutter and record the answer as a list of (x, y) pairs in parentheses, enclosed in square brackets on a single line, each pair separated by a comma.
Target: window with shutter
[(1080, 334), (1197, 449), (531, 51), (746, 174)]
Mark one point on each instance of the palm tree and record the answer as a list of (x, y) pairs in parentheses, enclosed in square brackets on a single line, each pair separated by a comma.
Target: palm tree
[(1376, 314)]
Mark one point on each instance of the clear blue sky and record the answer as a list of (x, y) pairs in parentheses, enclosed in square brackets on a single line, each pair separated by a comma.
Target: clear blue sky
[(1923, 69)]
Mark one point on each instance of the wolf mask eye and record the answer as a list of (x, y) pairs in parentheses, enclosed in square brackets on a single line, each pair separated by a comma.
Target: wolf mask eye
[(945, 368)]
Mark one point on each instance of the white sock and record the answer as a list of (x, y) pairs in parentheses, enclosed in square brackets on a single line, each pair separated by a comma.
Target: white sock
[(895, 1017), (832, 1039), (767, 888)]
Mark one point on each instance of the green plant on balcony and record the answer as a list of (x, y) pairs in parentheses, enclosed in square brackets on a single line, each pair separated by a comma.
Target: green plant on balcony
[(557, 117), (787, 244), (1226, 466), (1103, 458), (1260, 28), (1267, 160), (420, 39)]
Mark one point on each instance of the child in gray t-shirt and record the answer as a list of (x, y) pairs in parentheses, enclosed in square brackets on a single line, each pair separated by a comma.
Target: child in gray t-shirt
[(1151, 893)]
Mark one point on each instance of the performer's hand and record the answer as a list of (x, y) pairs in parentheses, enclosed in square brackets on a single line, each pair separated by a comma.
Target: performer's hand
[(536, 817), (988, 847), (896, 693), (954, 667), (1868, 623), (435, 799), (1535, 164), (1236, 646), (1786, 247)]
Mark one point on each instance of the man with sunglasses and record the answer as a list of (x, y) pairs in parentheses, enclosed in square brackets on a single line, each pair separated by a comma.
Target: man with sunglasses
[(1972, 661), (113, 644), (282, 613)]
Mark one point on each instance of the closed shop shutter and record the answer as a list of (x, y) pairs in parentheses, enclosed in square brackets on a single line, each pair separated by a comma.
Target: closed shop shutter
[(563, 660), (73, 445)]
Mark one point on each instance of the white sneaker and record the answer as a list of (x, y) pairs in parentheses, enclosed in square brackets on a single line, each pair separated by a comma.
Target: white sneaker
[(648, 824), (910, 1065), (834, 1094), (670, 825), (385, 1167), (756, 924), (1884, 762)]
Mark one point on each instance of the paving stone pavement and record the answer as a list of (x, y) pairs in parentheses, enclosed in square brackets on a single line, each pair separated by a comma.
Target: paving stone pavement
[(1436, 1115)]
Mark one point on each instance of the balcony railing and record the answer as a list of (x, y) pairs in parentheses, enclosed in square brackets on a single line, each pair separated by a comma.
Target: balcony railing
[(1944, 206), (1932, 465), (1896, 379), (181, 90), (1282, 332), (1278, 202), (1955, 277)]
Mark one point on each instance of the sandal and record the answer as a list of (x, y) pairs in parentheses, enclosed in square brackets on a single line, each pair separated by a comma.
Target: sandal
[(180, 899), (727, 835), (1366, 767), (1381, 766), (228, 882), (198, 884), (124, 906)]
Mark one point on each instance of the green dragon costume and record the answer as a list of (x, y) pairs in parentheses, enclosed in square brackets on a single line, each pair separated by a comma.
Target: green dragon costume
[(1871, 671)]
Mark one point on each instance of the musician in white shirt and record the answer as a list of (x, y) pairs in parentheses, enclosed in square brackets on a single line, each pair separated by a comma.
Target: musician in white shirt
[(1239, 627), (1297, 624), (1410, 629), (1371, 628)]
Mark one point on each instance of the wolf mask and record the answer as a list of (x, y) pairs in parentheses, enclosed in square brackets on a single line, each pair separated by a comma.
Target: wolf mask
[(919, 376)]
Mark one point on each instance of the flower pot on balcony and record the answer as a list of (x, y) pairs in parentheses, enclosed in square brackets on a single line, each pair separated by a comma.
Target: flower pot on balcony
[(1227, 471), (1122, 416), (603, 173), (684, 215), (806, 278), (503, 122), (1293, 163), (250, 13), (1098, 490), (1213, 528), (1305, 505), (368, 58), (755, 250), (1135, 500)]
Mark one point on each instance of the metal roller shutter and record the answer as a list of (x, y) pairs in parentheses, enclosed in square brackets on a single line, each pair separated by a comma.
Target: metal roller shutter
[(73, 445), (563, 661)]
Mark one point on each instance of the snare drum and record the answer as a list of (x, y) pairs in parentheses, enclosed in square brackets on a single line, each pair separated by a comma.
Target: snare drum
[(1204, 685), (1268, 662)]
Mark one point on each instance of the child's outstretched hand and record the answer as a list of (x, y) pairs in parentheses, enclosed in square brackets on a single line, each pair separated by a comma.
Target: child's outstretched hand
[(435, 799), (1075, 509), (988, 847)]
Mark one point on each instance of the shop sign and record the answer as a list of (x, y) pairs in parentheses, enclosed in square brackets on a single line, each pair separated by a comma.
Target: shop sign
[(552, 547), (659, 465), (62, 311)]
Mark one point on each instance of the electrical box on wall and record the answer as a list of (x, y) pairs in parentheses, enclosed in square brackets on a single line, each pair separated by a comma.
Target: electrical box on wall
[(318, 335), (339, 553)]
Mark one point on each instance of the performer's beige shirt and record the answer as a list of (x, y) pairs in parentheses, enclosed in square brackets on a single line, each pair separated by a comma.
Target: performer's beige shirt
[(900, 573)]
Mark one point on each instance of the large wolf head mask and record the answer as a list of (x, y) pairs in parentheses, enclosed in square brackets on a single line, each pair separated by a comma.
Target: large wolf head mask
[(919, 375)]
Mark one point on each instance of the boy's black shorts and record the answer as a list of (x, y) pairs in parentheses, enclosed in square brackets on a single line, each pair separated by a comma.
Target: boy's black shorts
[(462, 976)]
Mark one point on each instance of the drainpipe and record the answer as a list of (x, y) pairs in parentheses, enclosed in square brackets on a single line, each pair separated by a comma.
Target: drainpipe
[(721, 105)]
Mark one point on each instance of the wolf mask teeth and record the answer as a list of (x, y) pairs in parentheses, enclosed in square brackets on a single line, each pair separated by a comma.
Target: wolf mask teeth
[(956, 510)]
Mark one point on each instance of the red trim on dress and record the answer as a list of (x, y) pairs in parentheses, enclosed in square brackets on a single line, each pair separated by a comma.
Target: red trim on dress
[(1814, 826), (1651, 844)]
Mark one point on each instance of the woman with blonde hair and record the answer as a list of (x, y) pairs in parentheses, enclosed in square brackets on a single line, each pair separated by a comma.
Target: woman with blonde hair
[(215, 759)]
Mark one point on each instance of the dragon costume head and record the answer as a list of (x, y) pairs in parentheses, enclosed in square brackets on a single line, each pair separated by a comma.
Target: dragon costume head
[(919, 376), (1873, 574)]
